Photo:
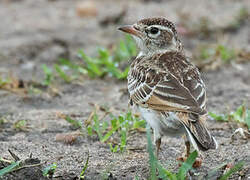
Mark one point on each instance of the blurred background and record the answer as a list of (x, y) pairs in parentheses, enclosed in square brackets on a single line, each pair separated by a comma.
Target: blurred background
[(61, 58), (34, 32)]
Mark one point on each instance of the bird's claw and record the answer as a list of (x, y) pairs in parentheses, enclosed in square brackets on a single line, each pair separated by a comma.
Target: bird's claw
[(197, 163)]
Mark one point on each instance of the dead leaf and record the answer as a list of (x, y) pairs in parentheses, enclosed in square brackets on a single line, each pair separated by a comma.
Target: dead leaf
[(68, 138)]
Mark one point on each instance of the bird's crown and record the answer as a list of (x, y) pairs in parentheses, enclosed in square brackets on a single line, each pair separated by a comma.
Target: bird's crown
[(158, 21)]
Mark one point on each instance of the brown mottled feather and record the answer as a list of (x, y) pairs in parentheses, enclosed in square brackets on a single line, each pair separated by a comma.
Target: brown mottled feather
[(162, 82), (169, 82)]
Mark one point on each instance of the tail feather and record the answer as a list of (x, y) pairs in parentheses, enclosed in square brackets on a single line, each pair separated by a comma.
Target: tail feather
[(199, 135)]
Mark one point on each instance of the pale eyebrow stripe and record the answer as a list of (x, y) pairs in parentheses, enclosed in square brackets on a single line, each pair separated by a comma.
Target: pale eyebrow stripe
[(162, 28)]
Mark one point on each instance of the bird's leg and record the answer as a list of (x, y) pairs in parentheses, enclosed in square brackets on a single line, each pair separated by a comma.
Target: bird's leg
[(157, 141), (186, 154), (158, 146), (187, 143), (198, 161)]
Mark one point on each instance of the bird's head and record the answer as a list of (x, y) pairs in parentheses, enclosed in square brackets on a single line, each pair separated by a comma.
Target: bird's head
[(154, 35)]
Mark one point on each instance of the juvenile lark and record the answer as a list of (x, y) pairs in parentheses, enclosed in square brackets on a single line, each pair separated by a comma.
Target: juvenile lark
[(166, 86)]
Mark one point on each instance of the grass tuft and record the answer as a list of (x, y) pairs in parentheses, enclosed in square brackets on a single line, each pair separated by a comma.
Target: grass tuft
[(21, 125), (155, 166), (106, 63), (48, 75), (241, 115), (117, 127), (9, 168), (49, 170), (218, 52), (232, 170), (157, 171), (76, 124)]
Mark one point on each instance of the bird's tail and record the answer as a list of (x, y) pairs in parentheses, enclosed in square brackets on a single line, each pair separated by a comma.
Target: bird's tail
[(198, 134)]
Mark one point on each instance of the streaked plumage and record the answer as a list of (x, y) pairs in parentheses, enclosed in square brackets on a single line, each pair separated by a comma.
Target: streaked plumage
[(166, 86)]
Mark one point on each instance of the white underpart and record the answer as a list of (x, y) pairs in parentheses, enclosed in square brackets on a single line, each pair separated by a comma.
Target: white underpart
[(161, 124), (170, 125), (152, 118)]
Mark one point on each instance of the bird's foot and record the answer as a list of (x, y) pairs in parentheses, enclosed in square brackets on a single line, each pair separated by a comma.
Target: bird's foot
[(197, 162)]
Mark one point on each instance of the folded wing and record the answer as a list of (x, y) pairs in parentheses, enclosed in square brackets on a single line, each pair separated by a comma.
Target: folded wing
[(164, 90)]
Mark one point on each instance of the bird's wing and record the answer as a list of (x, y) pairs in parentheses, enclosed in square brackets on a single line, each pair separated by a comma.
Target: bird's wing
[(168, 86)]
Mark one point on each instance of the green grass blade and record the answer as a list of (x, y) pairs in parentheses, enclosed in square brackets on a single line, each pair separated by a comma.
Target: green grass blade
[(109, 65), (49, 170), (152, 158), (93, 67), (113, 149), (4, 81), (131, 45), (46, 70), (76, 124), (90, 130), (123, 140), (96, 126), (212, 172), (104, 54), (9, 168), (233, 170), (137, 178), (165, 174), (248, 118), (218, 117), (69, 64), (48, 75), (62, 74), (186, 166), (124, 74), (107, 136), (84, 168)]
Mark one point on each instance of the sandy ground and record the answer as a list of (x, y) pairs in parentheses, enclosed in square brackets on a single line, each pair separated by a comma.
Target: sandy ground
[(39, 32)]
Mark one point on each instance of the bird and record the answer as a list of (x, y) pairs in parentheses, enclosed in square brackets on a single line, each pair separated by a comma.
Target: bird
[(166, 86)]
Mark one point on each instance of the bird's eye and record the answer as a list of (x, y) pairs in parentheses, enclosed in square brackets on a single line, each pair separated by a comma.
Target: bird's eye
[(154, 30)]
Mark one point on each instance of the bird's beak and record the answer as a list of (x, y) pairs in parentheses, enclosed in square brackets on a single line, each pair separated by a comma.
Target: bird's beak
[(131, 30)]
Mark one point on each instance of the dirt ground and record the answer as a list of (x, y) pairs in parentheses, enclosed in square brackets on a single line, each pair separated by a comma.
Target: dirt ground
[(39, 32)]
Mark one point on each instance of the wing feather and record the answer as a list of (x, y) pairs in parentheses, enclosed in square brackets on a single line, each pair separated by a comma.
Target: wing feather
[(162, 88)]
